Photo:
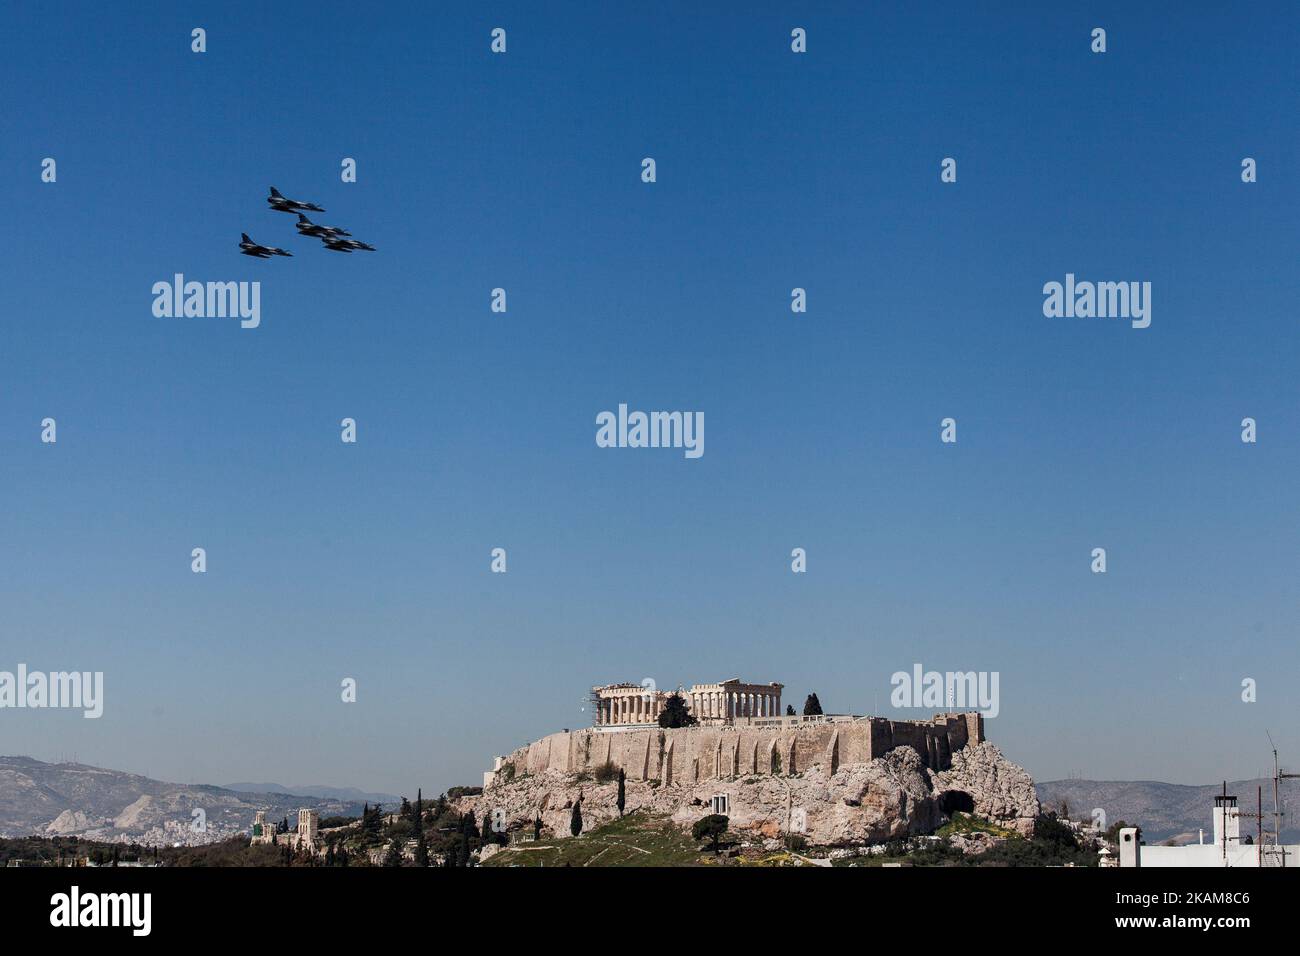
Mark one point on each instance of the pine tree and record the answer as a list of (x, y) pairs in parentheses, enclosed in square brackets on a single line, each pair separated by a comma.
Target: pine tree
[(394, 855), (575, 821), (675, 713), (622, 791), (812, 706), (789, 710)]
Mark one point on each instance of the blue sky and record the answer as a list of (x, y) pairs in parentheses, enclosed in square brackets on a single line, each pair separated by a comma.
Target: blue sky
[(476, 430)]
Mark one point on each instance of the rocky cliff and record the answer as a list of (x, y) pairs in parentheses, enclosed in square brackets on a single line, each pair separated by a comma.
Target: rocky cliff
[(889, 797)]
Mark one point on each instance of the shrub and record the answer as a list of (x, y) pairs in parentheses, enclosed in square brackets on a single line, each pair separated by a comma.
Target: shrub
[(710, 828)]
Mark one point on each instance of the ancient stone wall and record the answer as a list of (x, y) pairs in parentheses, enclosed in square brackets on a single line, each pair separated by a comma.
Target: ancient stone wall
[(693, 754)]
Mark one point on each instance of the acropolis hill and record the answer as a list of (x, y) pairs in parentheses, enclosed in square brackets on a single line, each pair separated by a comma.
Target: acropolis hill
[(835, 779)]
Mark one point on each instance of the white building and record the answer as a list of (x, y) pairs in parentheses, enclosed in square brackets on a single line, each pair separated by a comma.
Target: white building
[(1227, 850)]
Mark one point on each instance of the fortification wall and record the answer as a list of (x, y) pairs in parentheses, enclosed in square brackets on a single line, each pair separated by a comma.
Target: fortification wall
[(691, 754)]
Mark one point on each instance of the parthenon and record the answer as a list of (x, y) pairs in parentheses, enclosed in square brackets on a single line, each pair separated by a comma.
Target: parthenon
[(633, 704)]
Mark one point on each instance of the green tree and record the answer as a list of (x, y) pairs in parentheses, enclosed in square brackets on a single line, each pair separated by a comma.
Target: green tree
[(812, 706), (622, 791), (575, 821), (710, 828), (675, 713), (1049, 829), (394, 855), (789, 710), (421, 851), (1112, 832)]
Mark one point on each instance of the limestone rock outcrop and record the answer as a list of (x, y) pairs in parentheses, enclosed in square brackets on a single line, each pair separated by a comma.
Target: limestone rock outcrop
[(890, 797), (1000, 791)]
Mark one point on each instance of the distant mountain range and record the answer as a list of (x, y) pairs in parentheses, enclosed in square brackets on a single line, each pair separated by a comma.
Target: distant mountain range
[(319, 790), (1168, 811), (67, 799)]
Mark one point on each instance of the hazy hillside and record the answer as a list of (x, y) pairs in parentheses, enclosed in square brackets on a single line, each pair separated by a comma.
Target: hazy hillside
[(1165, 810), (351, 794), (68, 798)]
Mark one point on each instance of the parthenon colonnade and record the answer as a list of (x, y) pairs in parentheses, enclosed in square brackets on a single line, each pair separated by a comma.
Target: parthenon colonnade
[(632, 704)]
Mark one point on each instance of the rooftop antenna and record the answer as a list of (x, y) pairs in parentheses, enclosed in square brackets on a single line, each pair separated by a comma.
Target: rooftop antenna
[(1278, 776)]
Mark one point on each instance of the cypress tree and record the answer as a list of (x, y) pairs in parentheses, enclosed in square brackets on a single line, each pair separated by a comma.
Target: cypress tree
[(622, 791)]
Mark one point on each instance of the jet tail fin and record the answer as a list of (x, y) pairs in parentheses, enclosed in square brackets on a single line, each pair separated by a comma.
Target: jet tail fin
[(244, 236), (276, 193)]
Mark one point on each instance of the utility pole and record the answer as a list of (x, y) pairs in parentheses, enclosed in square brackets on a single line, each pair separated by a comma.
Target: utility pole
[(1258, 815)]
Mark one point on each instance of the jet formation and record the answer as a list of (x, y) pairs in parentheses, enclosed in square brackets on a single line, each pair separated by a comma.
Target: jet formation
[(333, 238), (249, 248)]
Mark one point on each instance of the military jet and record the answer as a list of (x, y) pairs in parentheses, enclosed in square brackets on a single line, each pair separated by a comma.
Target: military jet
[(249, 248), (282, 204), (346, 245), (308, 228)]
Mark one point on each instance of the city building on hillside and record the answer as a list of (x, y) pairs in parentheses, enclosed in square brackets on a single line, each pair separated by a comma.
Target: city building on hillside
[(303, 838)]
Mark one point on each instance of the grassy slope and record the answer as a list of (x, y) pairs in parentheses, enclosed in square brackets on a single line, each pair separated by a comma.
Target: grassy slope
[(636, 840)]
